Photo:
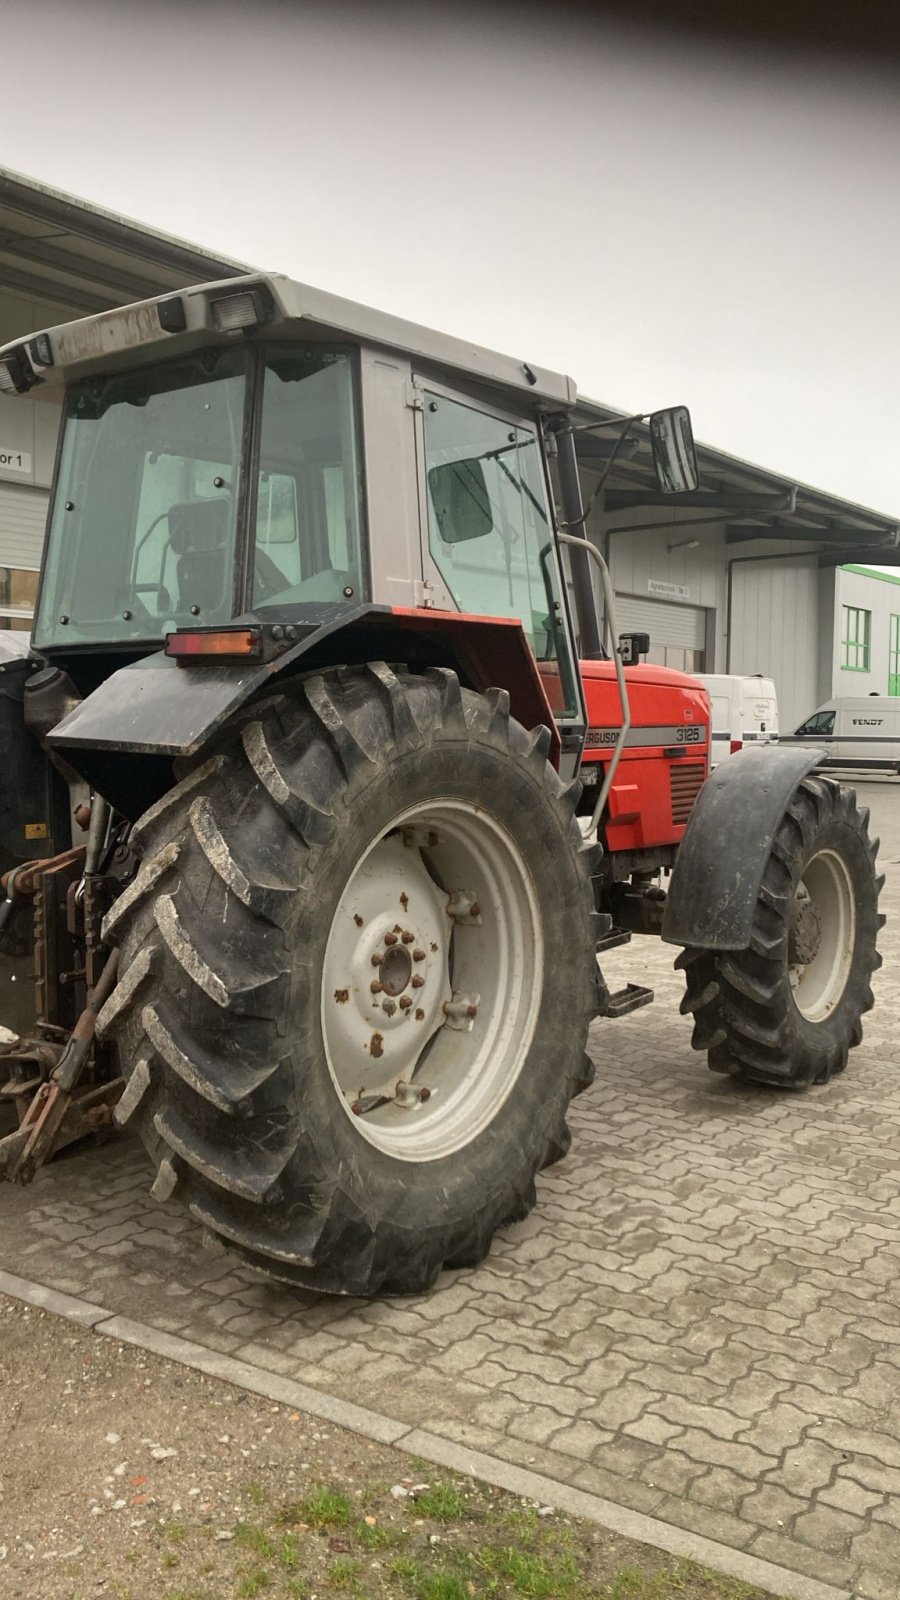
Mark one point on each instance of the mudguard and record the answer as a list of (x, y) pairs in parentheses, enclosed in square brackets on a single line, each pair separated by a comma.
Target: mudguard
[(124, 737), (718, 873)]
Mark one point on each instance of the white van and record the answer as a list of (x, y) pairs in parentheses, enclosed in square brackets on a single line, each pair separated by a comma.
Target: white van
[(856, 733), (744, 711)]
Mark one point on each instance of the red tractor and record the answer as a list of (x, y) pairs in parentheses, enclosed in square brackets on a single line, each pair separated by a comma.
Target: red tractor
[(325, 927)]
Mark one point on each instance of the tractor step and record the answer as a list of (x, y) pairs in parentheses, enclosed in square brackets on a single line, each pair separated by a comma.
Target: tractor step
[(631, 998), (611, 940)]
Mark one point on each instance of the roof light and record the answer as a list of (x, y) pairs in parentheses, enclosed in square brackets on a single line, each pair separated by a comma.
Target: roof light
[(188, 645), (40, 350), (232, 313), (16, 376)]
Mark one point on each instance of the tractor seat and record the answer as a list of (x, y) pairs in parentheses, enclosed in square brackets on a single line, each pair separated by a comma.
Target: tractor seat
[(200, 536)]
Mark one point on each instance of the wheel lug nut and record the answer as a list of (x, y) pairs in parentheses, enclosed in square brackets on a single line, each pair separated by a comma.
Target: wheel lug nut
[(418, 955), (405, 1002), (377, 959), (388, 1008), (390, 938), (407, 937), (376, 986), (417, 981)]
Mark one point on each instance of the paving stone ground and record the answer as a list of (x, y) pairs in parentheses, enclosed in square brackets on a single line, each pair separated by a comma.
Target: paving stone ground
[(701, 1320)]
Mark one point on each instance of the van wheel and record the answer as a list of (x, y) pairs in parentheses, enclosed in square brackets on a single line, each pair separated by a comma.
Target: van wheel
[(788, 1009)]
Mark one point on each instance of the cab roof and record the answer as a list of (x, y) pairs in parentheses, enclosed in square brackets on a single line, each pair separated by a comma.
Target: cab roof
[(103, 342)]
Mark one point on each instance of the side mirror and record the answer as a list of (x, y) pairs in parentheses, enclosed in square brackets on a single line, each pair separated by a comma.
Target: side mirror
[(674, 456), (459, 496), (632, 646)]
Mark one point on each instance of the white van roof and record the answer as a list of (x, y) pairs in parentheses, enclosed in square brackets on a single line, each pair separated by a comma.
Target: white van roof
[(755, 678)]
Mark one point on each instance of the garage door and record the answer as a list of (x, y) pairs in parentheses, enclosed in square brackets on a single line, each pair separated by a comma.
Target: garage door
[(23, 515), (677, 633)]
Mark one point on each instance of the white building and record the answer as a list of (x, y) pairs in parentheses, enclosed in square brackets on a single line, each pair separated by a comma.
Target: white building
[(866, 633), (743, 576)]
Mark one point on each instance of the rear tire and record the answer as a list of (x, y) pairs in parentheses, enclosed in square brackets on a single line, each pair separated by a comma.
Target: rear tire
[(271, 1072), (788, 1009)]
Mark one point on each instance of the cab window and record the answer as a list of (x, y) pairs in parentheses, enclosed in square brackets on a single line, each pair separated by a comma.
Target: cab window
[(307, 538)]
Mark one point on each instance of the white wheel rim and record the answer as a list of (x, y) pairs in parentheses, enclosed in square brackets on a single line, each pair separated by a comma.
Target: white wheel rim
[(818, 985), (432, 980)]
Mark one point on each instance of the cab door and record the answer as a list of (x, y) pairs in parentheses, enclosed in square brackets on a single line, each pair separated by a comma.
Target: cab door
[(488, 541)]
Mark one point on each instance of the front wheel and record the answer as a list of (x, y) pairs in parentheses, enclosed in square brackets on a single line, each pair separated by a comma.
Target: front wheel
[(788, 1009), (356, 979)]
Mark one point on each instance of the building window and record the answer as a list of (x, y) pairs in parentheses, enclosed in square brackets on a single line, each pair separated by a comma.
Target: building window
[(18, 589), (894, 657), (855, 638)]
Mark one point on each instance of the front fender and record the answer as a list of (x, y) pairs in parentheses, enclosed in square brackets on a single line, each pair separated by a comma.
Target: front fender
[(124, 737), (719, 869)]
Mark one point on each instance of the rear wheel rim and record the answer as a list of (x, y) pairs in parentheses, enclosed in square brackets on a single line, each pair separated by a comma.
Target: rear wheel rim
[(818, 985), (432, 980)]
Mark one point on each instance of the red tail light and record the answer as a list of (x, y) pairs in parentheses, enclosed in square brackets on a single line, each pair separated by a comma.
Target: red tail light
[(736, 745), (214, 644)]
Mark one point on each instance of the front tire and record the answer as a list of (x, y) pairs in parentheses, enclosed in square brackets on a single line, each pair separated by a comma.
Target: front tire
[(356, 980), (788, 1009)]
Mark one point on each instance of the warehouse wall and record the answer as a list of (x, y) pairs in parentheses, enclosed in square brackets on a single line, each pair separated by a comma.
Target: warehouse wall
[(774, 629), (29, 427), (782, 605), (28, 435), (649, 574)]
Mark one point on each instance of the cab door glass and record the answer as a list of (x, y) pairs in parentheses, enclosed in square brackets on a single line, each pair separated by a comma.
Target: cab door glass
[(489, 531)]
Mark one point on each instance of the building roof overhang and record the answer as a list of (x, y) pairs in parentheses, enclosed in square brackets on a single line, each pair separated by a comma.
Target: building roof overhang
[(65, 252), (58, 249), (758, 507)]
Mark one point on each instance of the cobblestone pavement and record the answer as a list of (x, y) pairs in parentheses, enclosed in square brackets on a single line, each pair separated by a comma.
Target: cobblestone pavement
[(701, 1320)]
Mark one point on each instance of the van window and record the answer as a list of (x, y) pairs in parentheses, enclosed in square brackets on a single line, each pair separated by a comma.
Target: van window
[(822, 722)]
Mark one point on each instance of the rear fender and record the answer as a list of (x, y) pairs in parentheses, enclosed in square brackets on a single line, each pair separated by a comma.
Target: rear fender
[(124, 737), (721, 859)]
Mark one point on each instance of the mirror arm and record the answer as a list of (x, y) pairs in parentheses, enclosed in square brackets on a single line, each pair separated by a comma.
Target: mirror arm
[(611, 422), (578, 522), (612, 624)]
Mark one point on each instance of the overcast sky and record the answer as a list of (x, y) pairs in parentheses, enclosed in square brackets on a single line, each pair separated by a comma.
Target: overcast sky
[(664, 220)]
